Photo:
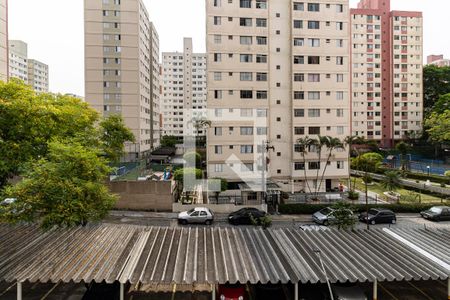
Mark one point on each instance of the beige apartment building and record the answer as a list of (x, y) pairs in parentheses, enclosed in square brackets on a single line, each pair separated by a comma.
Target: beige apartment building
[(122, 68), (184, 88), (387, 88), (277, 71), (438, 60), (38, 76), (4, 56)]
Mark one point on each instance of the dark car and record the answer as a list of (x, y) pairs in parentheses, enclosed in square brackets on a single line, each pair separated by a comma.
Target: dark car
[(378, 215), (244, 216), (231, 292), (437, 213)]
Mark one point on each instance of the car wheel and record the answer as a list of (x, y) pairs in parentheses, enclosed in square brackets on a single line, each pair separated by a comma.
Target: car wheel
[(373, 222), (326, 223), (394, 221), (208, 222), (183, 222)]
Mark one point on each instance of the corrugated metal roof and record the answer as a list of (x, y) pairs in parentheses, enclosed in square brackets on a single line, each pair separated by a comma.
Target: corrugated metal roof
[(198, 255)]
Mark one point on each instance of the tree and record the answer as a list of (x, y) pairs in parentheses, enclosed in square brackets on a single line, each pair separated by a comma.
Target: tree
[(169, 141), (442, 104), (216, 184), (436, 83), (403, 149), (391, 181), (343, 216), (66, 188), (303, 145), (180, 175), (350, 141), (332, 144), (439, 127), (368, 162), (193, 159), (113, 135)]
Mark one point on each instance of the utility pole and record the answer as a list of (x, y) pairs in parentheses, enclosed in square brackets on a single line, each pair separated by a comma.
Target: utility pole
[(265, 147)]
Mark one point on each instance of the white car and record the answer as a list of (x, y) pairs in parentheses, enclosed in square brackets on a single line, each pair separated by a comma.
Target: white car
[(202, 215)]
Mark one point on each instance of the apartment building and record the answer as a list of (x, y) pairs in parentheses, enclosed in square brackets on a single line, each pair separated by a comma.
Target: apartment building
[(18, 60), (387, 56), (184, 88), (438, 60), (278, 71), (4, 56), (38, 76), (155, 88), (122, 68)]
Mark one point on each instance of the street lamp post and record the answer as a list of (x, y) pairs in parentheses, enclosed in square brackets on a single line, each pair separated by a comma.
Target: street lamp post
[(428, 171)]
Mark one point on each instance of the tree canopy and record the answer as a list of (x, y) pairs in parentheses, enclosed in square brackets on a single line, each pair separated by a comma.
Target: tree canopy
[(436, 83), (439, 127)]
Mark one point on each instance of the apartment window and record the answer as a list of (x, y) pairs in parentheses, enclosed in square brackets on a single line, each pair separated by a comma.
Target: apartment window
[(300, 112), (217, 3), (261, 94), (299, 77), (299, 130), (247, 168), (246, 40), (246, 58), (261, 130), (217, 131), (106, 108), (261, 22), (313, 25), (217, 20), (339, 113), (314, 113), (340, 130), (246, 149), (261, 113), (218, 149), (340, 43), (246, 112), (246, 22), (217, 76), (246, 94), (339, 95), (217, 57), (340, 25), (314, 130), (299, 95), (314, 165), (245, 3), (339, 77), (246, 130), (298, 24), (299, 41), (314, 42), (299, 59), (299, 6), (339, 60), (217, 94), (217, 39), (313, 77), (299, 165), (261, 40), (313, 7), (261, 76), (261, 58), (313, 60), (218, 168), (339, 8), (314, 95), (261, 4), (340, 164), (246, 76)]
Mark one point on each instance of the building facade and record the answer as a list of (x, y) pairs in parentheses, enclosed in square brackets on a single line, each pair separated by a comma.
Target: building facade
[(438, 60), (38, 76), (4, 56), (278, 71), (387, 56), (18, 60), (121, 67), (183, 88)]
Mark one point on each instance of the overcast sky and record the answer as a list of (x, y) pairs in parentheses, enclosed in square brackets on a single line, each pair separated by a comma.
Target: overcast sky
[(53, 30)]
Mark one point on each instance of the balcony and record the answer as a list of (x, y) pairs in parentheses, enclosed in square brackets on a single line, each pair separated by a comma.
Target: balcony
[(404, 117), (370, 108), (369, 117), (404, 108)]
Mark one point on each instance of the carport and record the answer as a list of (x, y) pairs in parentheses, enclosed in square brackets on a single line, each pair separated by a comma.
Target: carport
[(209, 256)]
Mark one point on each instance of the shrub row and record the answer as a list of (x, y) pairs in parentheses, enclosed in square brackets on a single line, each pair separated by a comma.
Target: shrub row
[(419, 176), (299, 209)]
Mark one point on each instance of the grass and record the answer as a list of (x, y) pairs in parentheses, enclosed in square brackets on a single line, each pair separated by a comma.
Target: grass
[(407, 196)]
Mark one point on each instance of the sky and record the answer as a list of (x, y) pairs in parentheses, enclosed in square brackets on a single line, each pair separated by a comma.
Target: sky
[(54, 31)]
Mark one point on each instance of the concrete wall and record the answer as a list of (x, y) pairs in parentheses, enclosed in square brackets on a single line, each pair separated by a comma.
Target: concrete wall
[(216, 208), (143, 195)]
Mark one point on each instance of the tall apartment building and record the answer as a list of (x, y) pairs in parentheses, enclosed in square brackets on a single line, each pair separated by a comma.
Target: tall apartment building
[(184, 88), (387, 89), (121, 67), (38, 76), (155, 89), (4, 56), (438, 60), (277, 71), (18, 60)]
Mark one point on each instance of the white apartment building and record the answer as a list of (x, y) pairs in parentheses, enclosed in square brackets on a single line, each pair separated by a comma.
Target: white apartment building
[(4, 70), (18, 60), (277, 71), (122, 68), (183, 88), (38, 76)]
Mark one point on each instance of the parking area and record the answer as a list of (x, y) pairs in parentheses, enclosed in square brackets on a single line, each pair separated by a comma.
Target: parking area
[(413, 290)]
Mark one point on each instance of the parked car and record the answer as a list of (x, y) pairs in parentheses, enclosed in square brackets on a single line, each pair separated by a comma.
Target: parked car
[(437, 213), (231, 292), (201, 215), (348, 291), (325, 216), (378, 215), (7, 201), (242, 216)]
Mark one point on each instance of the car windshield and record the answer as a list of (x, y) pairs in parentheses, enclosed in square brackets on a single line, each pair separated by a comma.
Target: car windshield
[(436, 210), (190, 211), (326, 211), (373, 212)]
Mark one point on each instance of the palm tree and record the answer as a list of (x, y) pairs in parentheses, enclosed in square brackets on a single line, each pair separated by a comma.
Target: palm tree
[(403, 148), (391, 181), (332, 144), (304, 144), (350, 141)]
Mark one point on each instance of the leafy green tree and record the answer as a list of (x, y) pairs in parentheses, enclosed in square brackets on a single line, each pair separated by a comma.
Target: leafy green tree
[(403, 149), (169, 141), (113, 135), (303, 145), (66, 188), (343, 216), (435, 81), (331, 144), (368, 162), (391, 181), (439, 127), (442, 104)]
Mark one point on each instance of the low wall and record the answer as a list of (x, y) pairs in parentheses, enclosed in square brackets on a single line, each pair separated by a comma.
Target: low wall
[(216, 208), (143, 195)]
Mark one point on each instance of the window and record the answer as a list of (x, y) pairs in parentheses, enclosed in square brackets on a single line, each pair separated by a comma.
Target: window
[(261, 40), (246, 112), (314, 165), (299, 6), (298, 24), (261, 4), (246, 130), (217, 39), (299, 95), (245, 3), (314, 95), (246, 76), (261, 22), (314, 42), (218, 149), (313, 25), (261, 94), (313, 77), (217, 131), (217, 76), (261, 76), (313, 60), (314, 113), (246, 149), (246, 40), (299, 130), (261, 113), (217, 3), (300, 77), (246, 58), (246, 94), (217, 94), (339, 77), (247, 22), (247, 168), (299, 166), (261, 130), (313, 7), (340, 25), (339, 8), (218, 168), (261, 58), (217, 57), (339, 60), (299, 59), (300, 112), (339, 95), (340, 43), (299, 41), (339, 112), (217, 20)]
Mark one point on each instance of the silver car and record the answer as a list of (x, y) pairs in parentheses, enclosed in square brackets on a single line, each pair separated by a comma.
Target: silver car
[(325, 216), (202, 215)]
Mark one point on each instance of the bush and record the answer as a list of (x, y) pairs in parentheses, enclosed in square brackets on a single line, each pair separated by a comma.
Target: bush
[(352, 195), (298, 209)]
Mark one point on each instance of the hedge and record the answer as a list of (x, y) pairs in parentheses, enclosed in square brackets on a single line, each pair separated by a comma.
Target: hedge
[(300, 209), (418, 176)]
